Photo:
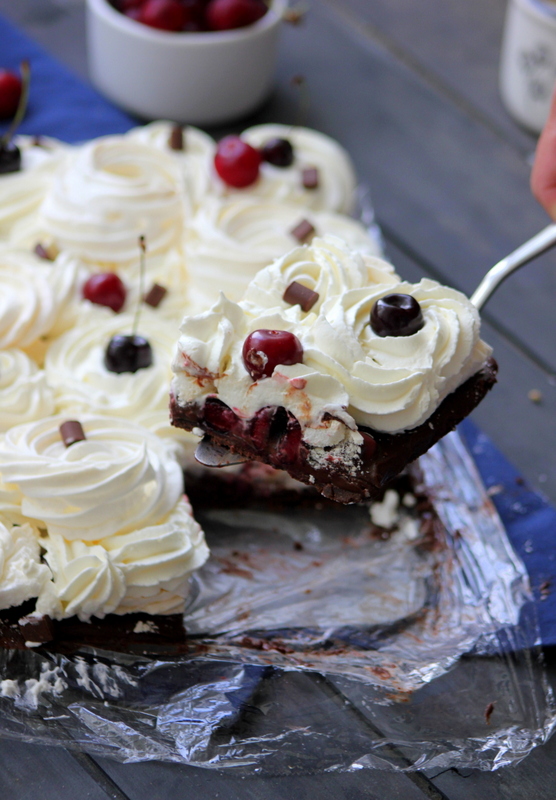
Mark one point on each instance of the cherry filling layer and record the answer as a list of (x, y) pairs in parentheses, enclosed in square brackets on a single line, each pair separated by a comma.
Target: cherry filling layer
[(272, 431)]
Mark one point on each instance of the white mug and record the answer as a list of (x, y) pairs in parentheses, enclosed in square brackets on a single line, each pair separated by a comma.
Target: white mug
[(528, 61)]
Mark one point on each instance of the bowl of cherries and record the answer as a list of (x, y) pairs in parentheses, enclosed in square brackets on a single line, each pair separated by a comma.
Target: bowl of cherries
[(203, 62)]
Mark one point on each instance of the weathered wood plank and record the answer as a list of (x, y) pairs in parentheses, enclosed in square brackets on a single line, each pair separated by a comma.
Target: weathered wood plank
[(29, 772), (455, 46)]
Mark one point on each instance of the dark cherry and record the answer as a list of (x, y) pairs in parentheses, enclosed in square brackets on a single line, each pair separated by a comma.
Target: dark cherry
[(236, 162), (396, 315), (219, 416), (278, 152), (224, 15), (10, 158), (166, 15), (127, 353), (263, 350), (287, 451), (10, 93), (105, 289)]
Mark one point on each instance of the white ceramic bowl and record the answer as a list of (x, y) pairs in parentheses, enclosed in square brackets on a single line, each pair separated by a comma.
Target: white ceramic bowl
[(198, 78)]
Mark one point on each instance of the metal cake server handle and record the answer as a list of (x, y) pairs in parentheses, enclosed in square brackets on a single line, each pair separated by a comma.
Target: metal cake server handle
[(534, 247)]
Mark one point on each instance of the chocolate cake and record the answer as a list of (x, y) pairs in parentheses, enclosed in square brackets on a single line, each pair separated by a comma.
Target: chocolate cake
[(385, 456), (332, 369)]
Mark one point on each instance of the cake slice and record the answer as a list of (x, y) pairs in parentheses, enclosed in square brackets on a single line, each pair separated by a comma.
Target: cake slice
[(331, 368)]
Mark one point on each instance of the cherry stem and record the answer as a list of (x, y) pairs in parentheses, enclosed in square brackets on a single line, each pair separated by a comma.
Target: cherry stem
[(303, 97), (22, 105), (142, 248)]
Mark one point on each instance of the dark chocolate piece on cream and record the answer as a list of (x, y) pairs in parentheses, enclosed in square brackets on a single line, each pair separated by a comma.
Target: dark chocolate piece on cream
[(155, 295), (298, 294), (71, 432), (42, 252), (310, 178), (303, 231), (175, 142)]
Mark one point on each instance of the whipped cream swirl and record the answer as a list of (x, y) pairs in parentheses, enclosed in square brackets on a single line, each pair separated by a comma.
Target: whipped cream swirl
[(74, 366), (121, 476), (348, 373), (229, 240), (22, 575), (110, 192), (336, 176), (24, 393), (145, 569)]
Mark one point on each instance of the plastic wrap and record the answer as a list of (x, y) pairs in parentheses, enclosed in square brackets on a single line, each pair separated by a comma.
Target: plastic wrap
[(316, 644)]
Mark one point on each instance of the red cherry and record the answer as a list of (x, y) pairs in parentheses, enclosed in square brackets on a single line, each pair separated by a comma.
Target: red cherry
[(237, 162), (105, 289), (263, 350), (224, 15), (219, 416), (166, 15), (10, 92)]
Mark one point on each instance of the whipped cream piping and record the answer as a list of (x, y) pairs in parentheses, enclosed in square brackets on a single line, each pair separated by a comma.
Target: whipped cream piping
[(108, 193), (348, 372), (24, 393), (120, 477), (22, 575)]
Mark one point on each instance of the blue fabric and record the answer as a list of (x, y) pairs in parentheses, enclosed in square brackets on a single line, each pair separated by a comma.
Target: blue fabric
[(529, 519), (60, 103), (63, 106)]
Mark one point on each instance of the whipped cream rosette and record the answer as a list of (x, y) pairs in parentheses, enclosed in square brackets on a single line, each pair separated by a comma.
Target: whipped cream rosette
[(24, 392), (335, 190), (108, 193), (230, 239), (75, 369), (120, 477), (194, 159), (22, 192), (22, 573), (35, 299), (143, 570)]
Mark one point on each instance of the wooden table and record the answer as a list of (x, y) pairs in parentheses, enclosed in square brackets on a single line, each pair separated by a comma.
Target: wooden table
[(410, 88)]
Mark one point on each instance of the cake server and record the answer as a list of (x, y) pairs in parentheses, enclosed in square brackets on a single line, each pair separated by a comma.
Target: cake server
[(532, 248)]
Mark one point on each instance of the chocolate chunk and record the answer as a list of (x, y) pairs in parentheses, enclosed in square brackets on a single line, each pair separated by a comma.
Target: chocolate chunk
[(310, 178), (175, 142), (297, 294), (303, 231), (155, 295), (41, 251), (36, 629), (72, 432)]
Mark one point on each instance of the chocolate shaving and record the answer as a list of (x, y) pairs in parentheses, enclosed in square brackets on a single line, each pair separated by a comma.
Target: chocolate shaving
[(488, 712), (303, 231), (71, 432), (41, 251), (155, 295), (175, 142), (36, 629), (310, 178), (297, 294)]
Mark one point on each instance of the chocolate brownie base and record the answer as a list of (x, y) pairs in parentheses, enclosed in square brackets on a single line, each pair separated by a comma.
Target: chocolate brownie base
[(162, 634), (278, 441)]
